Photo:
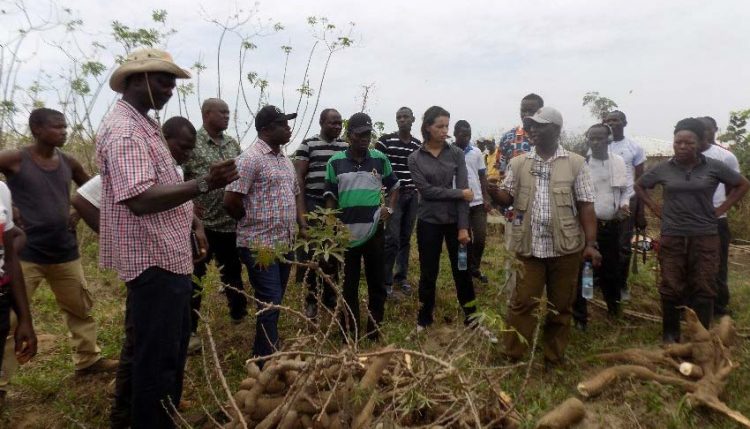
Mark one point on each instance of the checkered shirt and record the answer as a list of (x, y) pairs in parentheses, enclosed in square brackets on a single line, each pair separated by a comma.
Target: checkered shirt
[(541, 215), (132, 158), (269, 185)]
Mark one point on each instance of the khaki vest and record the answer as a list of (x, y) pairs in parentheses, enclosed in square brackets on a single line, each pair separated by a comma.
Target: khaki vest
[(567, 233)]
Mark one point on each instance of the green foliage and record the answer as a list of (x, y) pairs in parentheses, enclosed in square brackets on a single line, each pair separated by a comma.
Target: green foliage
[(736, 133), (598, 105), (92, 68)]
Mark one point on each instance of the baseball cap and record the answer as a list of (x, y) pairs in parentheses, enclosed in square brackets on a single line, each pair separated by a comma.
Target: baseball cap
[(546, 115), (359, 123), (270, 114)]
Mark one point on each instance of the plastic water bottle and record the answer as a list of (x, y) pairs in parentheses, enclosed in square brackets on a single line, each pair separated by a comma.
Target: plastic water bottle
[(587, 281), (463, 257)]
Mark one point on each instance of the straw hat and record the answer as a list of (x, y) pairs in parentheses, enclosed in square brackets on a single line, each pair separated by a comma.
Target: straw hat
[(145, 60)]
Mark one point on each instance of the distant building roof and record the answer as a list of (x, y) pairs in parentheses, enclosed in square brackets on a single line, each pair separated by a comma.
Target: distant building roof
[(654, 147)]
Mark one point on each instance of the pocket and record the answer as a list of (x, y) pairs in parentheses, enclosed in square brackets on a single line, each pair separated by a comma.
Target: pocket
[(571, 234), (563, 199), (521, 200)]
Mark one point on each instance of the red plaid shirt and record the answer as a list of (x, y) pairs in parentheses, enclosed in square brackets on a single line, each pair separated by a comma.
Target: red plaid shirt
[(269, 185), (132, 158)]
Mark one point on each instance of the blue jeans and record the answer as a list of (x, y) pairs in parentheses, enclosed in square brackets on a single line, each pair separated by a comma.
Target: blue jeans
[(398, 237), (269, 284), (152, 360)]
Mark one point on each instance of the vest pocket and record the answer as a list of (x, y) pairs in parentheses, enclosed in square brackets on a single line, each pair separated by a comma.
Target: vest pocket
[(563, 199), (570, 237)]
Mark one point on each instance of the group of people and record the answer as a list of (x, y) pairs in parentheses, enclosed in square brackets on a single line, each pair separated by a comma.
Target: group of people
[(169, 199)]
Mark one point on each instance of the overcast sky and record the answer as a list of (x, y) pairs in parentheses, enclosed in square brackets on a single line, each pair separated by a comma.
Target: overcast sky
[(659, 60)]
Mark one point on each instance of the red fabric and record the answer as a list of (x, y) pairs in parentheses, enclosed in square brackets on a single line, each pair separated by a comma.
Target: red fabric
[(132, 157)]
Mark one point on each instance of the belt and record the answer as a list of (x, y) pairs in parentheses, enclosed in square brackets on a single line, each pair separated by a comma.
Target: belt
[(602, 223)]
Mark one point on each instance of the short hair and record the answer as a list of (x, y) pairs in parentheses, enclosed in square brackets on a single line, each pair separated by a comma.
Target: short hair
[(324, 113), (208, 102), (175, 124), (429, 118), (534, 97), (693, 125), (405, 108), (711, 120), (600, 125), (461, 123), (40, 116), (619, 113)]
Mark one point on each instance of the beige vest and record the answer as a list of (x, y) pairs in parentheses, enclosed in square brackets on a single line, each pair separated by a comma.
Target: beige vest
[(567, 233)]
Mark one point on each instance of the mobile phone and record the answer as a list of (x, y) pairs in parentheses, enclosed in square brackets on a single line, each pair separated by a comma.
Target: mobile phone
[(194, 244)]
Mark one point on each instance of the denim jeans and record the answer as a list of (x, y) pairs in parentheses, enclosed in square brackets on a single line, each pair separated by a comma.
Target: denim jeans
[(269, 284), (152, 360), (398, 237)]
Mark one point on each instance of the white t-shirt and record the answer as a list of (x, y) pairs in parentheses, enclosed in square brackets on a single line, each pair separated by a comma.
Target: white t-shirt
[(633, 155), (91, 191), (6, 218), (475, 165), (608, 197), (720, 154)]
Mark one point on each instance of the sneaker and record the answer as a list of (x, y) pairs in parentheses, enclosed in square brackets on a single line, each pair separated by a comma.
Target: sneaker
[(485, 332), (101, 366), (194, 345), (311, 310), (481, 277), (416, 332), (388, 290), (406, 288), (624, 294)]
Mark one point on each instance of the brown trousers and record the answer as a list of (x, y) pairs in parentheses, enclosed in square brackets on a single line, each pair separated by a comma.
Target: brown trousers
[(689, 266), (69, 286), (560, 275)]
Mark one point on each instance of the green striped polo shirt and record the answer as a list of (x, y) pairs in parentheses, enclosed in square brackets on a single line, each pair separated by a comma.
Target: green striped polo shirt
[(356, 187)]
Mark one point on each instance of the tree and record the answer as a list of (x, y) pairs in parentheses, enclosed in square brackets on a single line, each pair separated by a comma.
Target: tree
[(598, 105)]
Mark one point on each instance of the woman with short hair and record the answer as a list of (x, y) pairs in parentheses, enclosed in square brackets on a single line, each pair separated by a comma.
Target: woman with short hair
[(689, 250)]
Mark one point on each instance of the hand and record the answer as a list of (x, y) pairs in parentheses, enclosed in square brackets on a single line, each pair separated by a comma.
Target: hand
[(384, 213), (623, 213), (591, 254), (468, 195), (303, 234), (221, 174), (73, 219), (17, 219), (200, 236), (463, 236), (25, 340)]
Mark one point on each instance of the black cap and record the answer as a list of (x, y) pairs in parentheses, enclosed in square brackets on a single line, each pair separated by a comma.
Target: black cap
[(359, 123), (270, 114)]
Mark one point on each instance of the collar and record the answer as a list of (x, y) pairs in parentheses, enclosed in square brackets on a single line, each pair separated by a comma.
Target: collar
[(423, 147), (147, 122), (701, 157), (559, 153), (264, 147), (348, 154), (203, 133)]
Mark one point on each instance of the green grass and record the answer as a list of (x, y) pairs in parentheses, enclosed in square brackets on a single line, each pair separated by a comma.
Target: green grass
[(46, 393)]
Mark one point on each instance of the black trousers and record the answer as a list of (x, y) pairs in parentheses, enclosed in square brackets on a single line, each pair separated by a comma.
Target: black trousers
[(317, 288), (430, 239), (609, 276), (627, 227), (373, 254), (153, 355), (478, 221), (722, 286), (223, 247)]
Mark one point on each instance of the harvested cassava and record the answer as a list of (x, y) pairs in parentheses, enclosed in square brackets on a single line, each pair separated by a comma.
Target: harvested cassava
[(563, 416), (700, 366), (350, 390)]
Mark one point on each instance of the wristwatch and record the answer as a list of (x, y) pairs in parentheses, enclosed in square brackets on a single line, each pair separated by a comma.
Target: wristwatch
[(202, 185)]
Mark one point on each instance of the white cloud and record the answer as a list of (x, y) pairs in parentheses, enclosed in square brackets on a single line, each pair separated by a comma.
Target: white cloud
[(660, 61)]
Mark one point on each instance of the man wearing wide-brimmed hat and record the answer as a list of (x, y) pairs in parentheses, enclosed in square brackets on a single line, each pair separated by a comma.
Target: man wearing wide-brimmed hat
[(146, 220)]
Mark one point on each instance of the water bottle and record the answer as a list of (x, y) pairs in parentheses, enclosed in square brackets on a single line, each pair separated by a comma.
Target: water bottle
[(463, 257), (587, 281)]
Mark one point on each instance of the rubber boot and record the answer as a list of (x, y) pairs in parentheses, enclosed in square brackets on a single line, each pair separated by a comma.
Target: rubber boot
[(704, 308), (670, 322)]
